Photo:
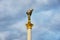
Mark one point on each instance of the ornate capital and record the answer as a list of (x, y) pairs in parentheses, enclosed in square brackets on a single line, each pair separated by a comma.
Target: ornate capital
[(29, 25)]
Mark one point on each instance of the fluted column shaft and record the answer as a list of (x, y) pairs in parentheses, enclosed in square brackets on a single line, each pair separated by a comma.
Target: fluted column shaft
[(29, 34)]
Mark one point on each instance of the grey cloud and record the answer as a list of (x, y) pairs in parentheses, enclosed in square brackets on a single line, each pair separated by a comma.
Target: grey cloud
[(12, 11), (18, 7), (47, 25)]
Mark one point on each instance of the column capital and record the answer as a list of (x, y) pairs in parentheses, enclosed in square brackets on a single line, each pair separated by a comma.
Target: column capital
[(29, 25)]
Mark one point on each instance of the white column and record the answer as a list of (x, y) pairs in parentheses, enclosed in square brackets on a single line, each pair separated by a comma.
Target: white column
[(29, 37)]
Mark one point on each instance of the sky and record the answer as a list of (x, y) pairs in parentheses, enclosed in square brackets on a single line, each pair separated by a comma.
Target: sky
[(45, 17)]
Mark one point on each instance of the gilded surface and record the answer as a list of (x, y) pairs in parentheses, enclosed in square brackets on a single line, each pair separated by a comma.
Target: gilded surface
[(29, 24)]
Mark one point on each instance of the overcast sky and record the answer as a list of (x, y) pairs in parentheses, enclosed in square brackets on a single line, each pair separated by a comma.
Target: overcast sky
[(45, 17)]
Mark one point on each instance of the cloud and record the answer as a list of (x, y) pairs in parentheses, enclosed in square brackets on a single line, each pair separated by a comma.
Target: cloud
[(47, 25), (4, 35), (45, 19), (15, 8)]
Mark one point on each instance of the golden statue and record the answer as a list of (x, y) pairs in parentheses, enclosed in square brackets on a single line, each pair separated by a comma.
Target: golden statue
[(29, 24)]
